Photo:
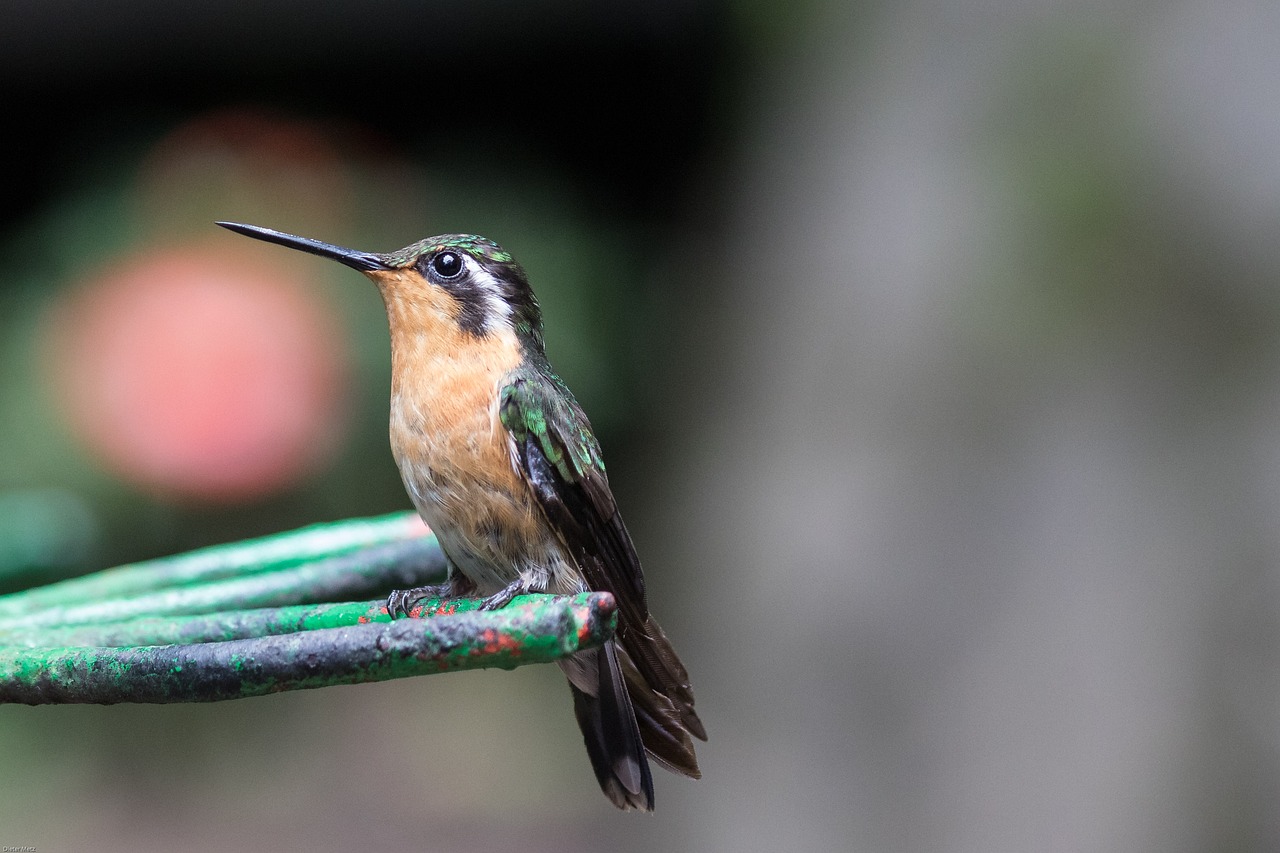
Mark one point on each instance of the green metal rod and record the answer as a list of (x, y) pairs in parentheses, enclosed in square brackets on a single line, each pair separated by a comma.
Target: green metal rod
[(544, 629), (233, 625), (397, 565), (201, 628), (278, 551)]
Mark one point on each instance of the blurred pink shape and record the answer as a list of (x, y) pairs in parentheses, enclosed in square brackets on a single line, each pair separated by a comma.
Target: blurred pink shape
[(200, 374)]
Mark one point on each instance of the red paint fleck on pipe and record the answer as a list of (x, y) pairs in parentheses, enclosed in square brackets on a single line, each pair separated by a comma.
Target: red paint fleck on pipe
[(444, 608), (494, 642)]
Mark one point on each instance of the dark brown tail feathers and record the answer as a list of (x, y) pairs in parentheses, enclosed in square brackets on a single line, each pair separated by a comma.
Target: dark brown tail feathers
[(632, 698), (612, 737)]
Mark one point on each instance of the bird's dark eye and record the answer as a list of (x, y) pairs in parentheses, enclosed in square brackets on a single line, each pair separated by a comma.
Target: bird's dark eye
[(447, 264)]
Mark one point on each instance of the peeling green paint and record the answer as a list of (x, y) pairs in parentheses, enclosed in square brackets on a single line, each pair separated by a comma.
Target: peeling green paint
[(191, 629), (532, 629)]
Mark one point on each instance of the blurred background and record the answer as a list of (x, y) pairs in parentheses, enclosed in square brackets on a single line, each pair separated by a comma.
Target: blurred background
[(933, 348)]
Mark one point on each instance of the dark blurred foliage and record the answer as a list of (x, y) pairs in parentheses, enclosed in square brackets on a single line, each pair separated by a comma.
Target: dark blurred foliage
[(617, 98), (573, 138)]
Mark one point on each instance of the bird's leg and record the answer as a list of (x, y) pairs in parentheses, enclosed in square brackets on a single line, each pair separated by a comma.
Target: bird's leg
[(401, 601), (503, 597)]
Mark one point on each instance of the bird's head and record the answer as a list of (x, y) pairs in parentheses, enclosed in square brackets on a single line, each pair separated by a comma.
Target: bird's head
[(459, 279)]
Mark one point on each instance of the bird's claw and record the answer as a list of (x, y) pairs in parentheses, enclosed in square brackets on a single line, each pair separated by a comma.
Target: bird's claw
[(503, 597), (401, 601)]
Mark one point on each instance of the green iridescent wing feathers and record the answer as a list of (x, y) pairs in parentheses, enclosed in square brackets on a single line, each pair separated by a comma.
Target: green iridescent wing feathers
[(561, 461)]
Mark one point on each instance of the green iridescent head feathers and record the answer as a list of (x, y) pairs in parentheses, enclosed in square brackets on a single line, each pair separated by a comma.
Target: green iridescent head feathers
[(480, 248)]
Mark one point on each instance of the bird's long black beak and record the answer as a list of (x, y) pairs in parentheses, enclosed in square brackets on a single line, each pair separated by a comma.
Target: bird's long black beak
[(363, 261)]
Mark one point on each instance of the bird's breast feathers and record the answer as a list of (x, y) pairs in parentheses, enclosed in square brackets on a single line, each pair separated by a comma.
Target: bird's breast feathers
[(461, 470)]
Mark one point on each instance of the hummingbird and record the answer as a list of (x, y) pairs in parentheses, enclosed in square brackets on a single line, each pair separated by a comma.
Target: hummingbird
[(502, 464)]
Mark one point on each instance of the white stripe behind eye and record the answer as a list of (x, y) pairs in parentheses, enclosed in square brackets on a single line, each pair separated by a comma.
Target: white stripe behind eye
[(496, 307)]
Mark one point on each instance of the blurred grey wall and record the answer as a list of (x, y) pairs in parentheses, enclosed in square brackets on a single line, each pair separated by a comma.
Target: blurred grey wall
[(984, 493)]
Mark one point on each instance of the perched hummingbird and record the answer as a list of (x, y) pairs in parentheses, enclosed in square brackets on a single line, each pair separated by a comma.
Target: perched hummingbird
[(502, 464)]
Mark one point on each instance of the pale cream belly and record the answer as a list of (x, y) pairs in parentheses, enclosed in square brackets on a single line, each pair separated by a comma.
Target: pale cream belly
[(492, 532)]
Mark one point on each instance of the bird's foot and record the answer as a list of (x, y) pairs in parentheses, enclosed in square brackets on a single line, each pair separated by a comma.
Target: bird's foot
[(503, 597), (401, 601)]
